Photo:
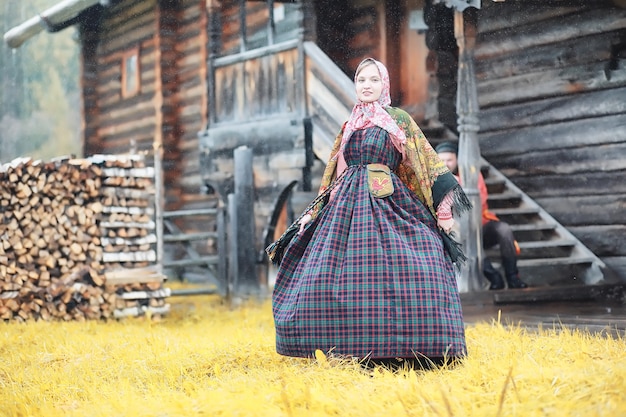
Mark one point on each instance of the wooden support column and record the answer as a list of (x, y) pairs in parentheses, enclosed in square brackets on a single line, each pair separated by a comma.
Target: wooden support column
[(246, 280), (271, 24), (214, 29), (243, 32), (469, 150), (157, 143)]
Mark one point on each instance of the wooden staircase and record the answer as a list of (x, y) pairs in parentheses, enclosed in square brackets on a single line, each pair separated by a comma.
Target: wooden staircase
[(550, 255)]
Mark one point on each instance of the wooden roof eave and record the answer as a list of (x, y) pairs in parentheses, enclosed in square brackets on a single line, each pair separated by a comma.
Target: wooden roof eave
[(57, 17)]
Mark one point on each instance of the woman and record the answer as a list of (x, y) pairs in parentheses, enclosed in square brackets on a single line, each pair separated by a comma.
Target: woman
[(368, 275)]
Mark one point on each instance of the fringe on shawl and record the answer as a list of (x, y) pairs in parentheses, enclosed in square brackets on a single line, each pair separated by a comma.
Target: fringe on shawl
[(460, 205), (460, 202)]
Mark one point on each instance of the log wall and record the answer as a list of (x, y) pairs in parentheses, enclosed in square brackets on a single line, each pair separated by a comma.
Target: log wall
[(192, 84), (288, 25), (551, 86), (170, 105)]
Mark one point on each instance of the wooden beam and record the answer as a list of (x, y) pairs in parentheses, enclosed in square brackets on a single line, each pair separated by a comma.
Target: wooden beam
[(58, 14), (556, 82), (569, 136), (560, 109), (560, 293), (577, 25)]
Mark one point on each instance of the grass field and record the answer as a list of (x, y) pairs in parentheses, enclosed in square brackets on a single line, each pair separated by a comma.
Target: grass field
[(205, 359)]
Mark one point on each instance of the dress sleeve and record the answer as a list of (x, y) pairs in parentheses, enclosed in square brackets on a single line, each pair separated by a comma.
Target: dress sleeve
[(446, 187), (444, 210)]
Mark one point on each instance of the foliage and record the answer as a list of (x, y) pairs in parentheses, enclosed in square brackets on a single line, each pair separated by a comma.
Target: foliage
[(39, 107), (206, 358)]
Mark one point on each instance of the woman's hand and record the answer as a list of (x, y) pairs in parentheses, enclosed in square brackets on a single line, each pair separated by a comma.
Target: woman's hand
[(446, 225), (304, 221)]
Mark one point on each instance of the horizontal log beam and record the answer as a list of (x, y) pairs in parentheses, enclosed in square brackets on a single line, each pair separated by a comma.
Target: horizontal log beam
[(586, 212), (605, 158), (563, 137), (554, 110), (583, 183), (549, 83), (574, 25)]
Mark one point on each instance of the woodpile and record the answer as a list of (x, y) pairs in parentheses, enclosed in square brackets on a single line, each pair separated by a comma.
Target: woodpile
[(65, 227)]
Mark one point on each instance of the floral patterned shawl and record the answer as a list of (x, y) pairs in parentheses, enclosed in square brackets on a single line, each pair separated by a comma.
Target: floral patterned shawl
[(373, 114), (422, 170)]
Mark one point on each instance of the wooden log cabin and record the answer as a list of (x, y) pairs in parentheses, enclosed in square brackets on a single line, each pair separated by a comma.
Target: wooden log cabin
[(203, 77)]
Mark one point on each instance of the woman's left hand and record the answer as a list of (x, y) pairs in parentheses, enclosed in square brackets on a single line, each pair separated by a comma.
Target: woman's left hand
[(446, 225)]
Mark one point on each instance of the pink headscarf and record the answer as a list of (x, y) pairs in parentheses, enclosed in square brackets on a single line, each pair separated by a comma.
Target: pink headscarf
[(373, 114)]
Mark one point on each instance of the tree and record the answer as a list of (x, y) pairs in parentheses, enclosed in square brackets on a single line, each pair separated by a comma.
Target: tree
[(39, 107)]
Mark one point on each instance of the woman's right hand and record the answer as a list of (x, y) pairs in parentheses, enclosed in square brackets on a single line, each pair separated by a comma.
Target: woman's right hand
[(304, 221)]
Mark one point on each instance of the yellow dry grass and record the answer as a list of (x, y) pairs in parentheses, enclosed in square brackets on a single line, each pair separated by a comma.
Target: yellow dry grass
[(205, 359)]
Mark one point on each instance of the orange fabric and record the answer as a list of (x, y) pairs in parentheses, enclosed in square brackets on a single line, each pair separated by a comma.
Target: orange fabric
[(488, 215), (482, 189)]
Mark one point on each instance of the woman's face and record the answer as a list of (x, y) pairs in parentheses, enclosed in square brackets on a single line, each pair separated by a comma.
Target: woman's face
[(369, 84)]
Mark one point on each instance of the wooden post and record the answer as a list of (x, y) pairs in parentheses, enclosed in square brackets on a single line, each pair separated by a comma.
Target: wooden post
[(233, 259), (247, 282), (159, 204), (243, 33), (309, 156), (469, 152), (271, 24), (214, 31), (157, 145), (221, 248)]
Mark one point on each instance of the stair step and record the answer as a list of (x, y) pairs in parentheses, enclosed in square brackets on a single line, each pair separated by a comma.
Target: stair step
[(506, 199), (537, 294), (555, 249), (517, 210), (531, 227), (505, 195), (599, 292), (546, 244), (533, 231), (563, 261), (495, 185), (517, 215), (555, 271)]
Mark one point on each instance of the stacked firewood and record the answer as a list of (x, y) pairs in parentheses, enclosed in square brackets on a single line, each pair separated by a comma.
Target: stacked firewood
[(64, 225)]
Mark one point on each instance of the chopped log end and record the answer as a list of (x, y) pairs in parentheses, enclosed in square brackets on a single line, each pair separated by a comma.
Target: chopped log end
[(52, 251)]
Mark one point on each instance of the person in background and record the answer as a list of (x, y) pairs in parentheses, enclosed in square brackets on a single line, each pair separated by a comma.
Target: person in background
[(370, 275), (495, 231)]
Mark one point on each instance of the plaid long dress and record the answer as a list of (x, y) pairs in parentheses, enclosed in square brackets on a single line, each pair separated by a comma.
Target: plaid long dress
[(369, 276)]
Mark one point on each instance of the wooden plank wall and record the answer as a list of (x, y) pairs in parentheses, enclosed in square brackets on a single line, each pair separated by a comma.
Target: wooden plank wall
[(114, 124), (192, 46), (551, 85), (257, 18), (257, 88), (125, 26)]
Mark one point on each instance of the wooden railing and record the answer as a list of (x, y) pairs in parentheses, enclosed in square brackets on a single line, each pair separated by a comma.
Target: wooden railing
[(173, 235), (256, 84)]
